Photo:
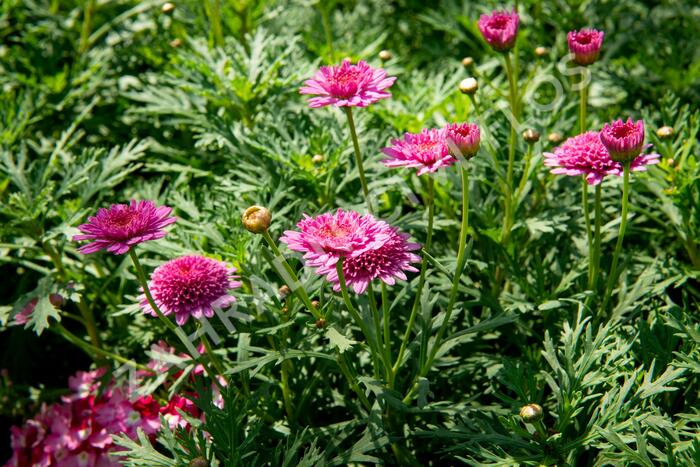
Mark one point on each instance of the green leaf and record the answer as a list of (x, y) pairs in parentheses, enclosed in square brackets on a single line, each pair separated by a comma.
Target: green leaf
[(338, 340)]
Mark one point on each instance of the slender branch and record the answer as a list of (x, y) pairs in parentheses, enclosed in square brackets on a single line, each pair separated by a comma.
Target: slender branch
[(612, 277), (358, 157), (421, 282)]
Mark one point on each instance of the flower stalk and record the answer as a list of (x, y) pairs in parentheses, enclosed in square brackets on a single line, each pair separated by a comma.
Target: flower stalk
[(430, 201), (358, 157), (612, 277)]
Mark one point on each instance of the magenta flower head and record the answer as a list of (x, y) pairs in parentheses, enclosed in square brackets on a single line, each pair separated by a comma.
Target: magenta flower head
[(500, 29), (623, 140), (427, 151), (124, 225), (585, 45), (370, 248), (586, 155), (462, 139), (347, 85), (191, 286)]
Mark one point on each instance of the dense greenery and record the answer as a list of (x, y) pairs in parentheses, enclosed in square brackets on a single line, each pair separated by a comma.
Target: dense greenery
[(105, 101)]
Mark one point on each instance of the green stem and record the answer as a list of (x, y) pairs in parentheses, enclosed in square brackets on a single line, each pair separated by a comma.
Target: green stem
[(343, 364), (169, 324), (583, 104), (421, 281), (371, 341), (386, 310), (358, 157), (91, 349), (212, 356), (587, 219), (461, 260), (612, 277), (596, 236), (291, 280), (508, 201), (523, 180), (287, 394), (377, 328)]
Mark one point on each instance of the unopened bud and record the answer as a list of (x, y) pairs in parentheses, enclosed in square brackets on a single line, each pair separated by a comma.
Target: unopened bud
[(285, 310), (555, 137), (541, 51), (467, 61), (665, 132), (199, 462), (468, 86), (385, 55), (670, 162), (175, 43), (284, 291), (317, 158), (321, 323), (167, 8), (531, 413), (531, 136), (257, 219), (316, 304)]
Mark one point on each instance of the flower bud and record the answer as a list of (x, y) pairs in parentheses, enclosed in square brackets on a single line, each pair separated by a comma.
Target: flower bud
[(175, 43), (284, 291), (317, 158), (531, 413), (541, 51), (321, 323), (531, 136), (623, 140), (468, 86), (467, 61), (167, 8), (257, 219), (199, 462), (665, 132), (316, 304), (555, 137), (385, 55)]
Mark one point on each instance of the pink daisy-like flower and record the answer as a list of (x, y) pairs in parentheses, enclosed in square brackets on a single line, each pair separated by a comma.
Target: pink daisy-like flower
[(191, 286), (500, 29), (122, 226), (325, 238), (371, 248), (623, 140), (463, 139), (427, 150), (347, 85), (586, 155), (585, 45)]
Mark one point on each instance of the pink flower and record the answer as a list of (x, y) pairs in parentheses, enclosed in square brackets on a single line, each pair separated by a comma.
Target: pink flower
[(77, 431), (177, 404), (463, 139), (585, 45), (623, 140), (500, 29), (191, 286), (586, 155), (122, 226), (427, 150), (370, 248), (347, 85)]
